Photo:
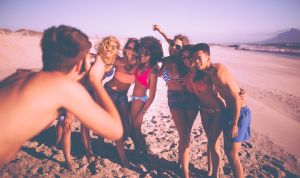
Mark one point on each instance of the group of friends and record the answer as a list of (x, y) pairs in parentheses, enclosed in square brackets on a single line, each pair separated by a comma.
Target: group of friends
[(70, 85)]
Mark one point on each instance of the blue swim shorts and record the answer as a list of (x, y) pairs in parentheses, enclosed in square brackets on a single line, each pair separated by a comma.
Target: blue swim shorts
[(243, 124)]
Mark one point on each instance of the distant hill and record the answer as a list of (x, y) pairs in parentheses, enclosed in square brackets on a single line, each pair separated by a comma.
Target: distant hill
[(5, 31), (23, 32), (291, 36), (26, 32)]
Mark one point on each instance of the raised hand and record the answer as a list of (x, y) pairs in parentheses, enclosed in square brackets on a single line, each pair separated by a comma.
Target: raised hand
[(97, 70), (156, 28)]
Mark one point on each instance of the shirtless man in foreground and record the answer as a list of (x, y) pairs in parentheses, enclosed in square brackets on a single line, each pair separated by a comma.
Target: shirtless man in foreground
[(31, 101)]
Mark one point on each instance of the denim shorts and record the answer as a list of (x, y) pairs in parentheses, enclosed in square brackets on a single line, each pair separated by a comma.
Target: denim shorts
[(120, 100), (182, 100)]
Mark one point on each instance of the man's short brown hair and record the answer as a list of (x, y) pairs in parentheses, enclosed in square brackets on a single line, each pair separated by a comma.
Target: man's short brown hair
[(63, 47)]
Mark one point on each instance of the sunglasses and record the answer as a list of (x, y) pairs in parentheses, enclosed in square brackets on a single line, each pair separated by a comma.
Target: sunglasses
[(145, 53), (172, 44), (188, 59), (132, 50), (112, 47), (129, 48)]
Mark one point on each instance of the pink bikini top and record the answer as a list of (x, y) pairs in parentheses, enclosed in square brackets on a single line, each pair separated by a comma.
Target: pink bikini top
[(142, 77)]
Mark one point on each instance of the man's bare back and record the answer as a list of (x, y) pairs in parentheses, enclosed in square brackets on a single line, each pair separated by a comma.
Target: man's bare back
[(30, 101)]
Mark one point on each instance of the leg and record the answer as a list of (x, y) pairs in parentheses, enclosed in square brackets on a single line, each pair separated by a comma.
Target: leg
[(206, 123), (66, 138), (124, 113), (59, 132), (121, 151), (191, 116), (232, 149), (213, 145), (124, 110), (86, 139), (182, 127), (137, 121)]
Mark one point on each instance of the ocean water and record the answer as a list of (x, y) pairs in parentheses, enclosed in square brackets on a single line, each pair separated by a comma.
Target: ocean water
[(286, 49)]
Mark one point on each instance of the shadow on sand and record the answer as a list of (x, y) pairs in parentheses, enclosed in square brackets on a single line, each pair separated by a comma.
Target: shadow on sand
[(154, 165)]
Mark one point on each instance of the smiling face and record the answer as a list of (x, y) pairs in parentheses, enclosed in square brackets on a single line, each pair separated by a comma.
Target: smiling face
[(145, 55), (111, 50), (130, 53), (187, 59), (175, 46), (202, 59), (108, 49)]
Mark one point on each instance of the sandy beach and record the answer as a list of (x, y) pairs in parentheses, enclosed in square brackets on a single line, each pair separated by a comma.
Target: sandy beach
[(272, 84)]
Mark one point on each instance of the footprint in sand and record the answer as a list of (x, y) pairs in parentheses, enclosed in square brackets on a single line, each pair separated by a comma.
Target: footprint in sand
[(247, 145), (271, 170), (173, 145)]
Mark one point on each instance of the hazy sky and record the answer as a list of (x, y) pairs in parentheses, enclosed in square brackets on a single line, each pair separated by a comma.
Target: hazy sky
[(208, 21)]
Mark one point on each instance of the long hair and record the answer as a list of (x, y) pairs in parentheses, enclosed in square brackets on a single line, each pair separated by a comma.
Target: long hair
[(185, 40), (182, 69), (136, 48), (154, 46), (105, 44)]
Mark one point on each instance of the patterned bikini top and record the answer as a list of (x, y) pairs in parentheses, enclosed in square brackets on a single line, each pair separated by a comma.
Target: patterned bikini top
[(166, 76)]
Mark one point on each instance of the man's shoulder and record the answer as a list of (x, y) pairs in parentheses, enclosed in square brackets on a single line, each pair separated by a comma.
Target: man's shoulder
[(37, 84), (53, 81), (220, 69)]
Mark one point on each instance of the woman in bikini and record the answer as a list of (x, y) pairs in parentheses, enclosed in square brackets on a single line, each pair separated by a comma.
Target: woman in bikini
[(107, 49), (118, 88), (183, 104), (146, 80)]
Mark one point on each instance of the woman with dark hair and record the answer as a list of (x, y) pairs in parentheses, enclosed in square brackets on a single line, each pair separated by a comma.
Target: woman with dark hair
[(183, 104), (118, 88), (146, 80)]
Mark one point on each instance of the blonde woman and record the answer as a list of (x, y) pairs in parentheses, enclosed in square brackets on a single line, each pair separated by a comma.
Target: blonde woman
[(118, 88), (108, 50)]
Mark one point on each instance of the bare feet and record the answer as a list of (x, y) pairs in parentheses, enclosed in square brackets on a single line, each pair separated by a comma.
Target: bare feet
[(59, 145), (91, 159), (70, 166)]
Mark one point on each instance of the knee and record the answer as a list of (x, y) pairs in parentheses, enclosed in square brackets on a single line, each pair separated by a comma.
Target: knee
[(137, 125), (232, 155), (184, 141), (137, 122), (67, 128), (213, 145)]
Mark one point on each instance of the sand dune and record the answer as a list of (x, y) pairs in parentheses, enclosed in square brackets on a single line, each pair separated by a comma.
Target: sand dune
[(17, 51), (273, 87)]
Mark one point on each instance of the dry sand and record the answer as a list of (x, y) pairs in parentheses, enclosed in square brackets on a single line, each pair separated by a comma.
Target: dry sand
[(273, 87)]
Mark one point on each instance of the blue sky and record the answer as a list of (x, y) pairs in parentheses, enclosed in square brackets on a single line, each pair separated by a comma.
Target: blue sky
[(208, 21)]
